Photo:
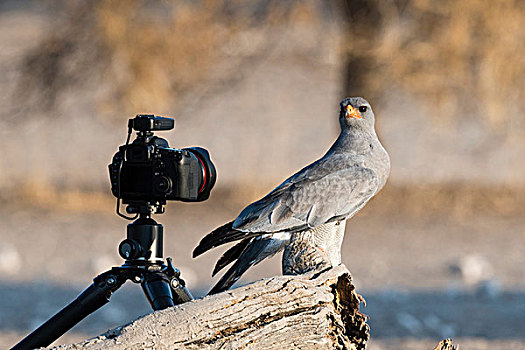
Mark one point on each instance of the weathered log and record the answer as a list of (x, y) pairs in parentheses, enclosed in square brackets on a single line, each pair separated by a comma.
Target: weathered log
[(311, 311)]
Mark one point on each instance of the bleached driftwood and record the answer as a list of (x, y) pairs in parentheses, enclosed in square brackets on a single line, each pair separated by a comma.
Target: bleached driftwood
[(312, 311)]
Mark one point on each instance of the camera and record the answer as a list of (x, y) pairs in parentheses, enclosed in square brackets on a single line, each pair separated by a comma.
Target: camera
[(148, 170)]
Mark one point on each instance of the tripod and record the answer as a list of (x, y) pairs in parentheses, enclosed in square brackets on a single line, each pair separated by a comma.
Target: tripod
[(144, 264)]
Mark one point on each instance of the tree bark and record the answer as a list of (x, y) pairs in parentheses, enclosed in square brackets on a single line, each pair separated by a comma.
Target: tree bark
[(311, 311)]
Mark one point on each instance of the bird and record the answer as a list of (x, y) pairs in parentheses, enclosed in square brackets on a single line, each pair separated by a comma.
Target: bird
[(306, 214)]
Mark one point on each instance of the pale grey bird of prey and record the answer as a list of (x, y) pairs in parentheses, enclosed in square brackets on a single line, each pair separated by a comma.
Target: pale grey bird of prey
[(306, 214)]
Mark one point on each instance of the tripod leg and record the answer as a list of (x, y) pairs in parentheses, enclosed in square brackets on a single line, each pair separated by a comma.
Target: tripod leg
[(181, 294), (163, 293), (156, 286), (91, 299)]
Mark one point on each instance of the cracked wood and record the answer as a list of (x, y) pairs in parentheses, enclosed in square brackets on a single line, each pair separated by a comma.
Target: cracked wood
[(311, 311)]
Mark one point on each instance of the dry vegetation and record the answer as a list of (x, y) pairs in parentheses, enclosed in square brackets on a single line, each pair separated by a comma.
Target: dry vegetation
[(139, 55), (465, 58), (458, 202), (145, 53)]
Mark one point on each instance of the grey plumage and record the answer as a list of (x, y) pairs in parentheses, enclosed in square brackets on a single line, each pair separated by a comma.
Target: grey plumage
[(306, 213), (314, 249)]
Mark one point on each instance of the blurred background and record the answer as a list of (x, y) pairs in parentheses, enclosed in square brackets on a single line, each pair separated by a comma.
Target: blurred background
[(438, 253)]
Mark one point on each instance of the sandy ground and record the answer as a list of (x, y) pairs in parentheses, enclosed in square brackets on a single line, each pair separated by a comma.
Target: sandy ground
[(423, 280)]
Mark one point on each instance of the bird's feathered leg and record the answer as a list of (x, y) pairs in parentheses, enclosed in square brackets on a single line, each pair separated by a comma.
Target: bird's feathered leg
[(301, 255), (258, 249), (314, 249)]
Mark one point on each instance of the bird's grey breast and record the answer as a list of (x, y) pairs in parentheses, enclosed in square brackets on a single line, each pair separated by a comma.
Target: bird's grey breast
[(378, 160), (365, 150), (329, 238)]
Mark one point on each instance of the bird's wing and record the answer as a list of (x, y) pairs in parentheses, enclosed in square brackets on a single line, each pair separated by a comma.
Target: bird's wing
[(327, 190)]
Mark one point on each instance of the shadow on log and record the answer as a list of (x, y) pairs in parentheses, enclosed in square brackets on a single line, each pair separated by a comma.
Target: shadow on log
[(311, 311)]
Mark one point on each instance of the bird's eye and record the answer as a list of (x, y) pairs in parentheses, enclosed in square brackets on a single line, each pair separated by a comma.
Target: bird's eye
[(362, 109)]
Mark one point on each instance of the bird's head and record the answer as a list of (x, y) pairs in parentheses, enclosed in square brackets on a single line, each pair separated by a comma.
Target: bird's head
[(356, 112)]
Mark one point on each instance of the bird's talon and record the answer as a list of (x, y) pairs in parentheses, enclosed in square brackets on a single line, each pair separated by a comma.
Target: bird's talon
[(365, 316), (360, 298)]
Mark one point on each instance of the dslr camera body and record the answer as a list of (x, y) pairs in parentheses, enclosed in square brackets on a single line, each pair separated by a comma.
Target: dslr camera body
[(148, 170)]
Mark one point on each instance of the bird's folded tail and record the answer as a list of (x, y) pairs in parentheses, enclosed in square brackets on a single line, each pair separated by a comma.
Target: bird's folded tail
[(254, 251), (230, 255), (221, 235)]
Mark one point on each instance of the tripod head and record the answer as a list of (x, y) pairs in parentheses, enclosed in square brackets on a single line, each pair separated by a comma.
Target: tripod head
[(144, 242), (143, 252)]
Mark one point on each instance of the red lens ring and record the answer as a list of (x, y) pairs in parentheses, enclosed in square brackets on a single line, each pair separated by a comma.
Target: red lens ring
[(205, 175)]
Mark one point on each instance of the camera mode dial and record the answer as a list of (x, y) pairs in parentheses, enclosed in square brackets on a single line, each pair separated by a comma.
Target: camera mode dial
[(163, 184)]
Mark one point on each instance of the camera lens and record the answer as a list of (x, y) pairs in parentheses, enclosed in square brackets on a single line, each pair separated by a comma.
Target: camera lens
[(208, 169)]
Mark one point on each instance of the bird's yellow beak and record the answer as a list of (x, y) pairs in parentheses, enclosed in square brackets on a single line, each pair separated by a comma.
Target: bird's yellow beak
[(352, 112)]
